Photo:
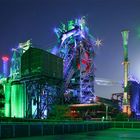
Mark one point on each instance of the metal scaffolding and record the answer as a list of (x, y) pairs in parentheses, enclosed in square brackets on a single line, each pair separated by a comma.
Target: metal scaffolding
[(41, 96), (76, 47)]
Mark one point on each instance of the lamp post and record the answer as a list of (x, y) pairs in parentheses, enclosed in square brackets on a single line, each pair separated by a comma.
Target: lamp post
[(106, 112)]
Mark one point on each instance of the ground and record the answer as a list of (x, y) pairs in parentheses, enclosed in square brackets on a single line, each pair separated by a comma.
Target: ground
[(109, 134)]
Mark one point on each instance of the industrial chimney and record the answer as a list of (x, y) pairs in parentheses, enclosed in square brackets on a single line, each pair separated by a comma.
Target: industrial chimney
[(5, 60), (126, 102)]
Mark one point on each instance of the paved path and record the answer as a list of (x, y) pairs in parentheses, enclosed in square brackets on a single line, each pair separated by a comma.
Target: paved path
[(109, 134)]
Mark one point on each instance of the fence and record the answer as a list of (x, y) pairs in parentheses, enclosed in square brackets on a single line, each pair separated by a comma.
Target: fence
[(9, 130)]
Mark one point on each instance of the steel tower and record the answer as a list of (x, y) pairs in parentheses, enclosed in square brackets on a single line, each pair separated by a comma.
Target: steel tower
[(16, 59), (76, 47)]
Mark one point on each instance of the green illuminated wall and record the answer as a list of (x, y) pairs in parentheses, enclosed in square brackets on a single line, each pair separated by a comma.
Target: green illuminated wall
[(18, 101), (7, 91)]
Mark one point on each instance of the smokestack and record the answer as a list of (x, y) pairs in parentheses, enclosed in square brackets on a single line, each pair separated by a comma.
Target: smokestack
[(5, 60), (126, 103)]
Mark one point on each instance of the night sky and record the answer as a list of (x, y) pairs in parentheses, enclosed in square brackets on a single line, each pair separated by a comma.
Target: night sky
[(21, 20)]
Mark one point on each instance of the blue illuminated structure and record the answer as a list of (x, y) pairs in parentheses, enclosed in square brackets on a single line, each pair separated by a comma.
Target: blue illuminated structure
[(15, 70), (134, 92), (76, 47)]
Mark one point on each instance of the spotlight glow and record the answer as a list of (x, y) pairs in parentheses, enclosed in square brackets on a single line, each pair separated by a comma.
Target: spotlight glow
[(5, 58), (98, 42)]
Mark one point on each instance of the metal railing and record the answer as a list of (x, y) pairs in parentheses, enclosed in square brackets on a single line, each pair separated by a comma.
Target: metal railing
[(26, 129)]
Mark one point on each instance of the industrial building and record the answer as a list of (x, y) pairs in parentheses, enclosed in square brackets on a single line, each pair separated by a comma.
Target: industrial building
[(34, 85), (40, 79), (134, 96)]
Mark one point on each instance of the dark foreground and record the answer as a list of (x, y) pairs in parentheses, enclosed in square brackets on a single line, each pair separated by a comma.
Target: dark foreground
[(109, 134)]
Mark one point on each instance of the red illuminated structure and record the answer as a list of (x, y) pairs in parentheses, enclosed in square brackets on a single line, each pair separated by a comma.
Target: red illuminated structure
[(5, 58)]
